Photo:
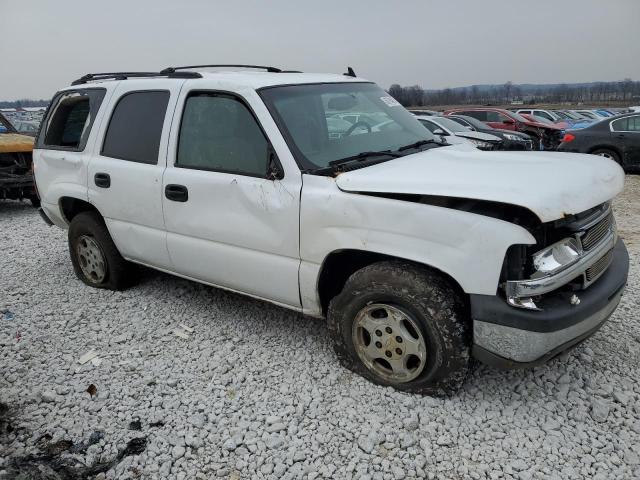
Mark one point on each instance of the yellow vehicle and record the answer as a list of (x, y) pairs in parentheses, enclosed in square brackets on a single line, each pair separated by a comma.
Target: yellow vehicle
[(16, 173)]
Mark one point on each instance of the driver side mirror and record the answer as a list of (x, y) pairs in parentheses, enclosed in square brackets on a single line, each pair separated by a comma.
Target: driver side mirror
[(439, 131), (508, 121)]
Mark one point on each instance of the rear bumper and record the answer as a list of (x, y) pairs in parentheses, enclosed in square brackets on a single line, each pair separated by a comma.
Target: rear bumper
[(509, 337)]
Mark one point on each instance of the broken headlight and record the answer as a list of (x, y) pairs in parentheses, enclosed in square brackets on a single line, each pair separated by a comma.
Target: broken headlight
[(556, 257)]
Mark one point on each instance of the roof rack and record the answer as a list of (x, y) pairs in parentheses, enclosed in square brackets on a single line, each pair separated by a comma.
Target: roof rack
[(169, 70), (92, 77)]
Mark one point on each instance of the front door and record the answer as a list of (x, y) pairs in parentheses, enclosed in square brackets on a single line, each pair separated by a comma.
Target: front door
[(231, 221)]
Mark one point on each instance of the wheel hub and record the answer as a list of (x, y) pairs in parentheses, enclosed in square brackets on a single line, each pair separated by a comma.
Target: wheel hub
[(389, 342), (91, 259)]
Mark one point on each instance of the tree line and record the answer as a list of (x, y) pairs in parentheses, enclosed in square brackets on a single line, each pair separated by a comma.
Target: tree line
[(25, 102), (625, 90)]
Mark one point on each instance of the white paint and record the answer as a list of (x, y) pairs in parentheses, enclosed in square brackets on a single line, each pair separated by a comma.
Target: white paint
[(550, 184), (266, 239)]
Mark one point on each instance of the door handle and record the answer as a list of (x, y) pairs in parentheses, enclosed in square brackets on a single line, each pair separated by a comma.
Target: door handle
[(102, 180), (177, 193)]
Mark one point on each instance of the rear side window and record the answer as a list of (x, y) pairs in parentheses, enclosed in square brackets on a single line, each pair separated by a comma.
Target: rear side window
[(219, 133), (480, 115), (627, 124), (69, 120), (135, 127)]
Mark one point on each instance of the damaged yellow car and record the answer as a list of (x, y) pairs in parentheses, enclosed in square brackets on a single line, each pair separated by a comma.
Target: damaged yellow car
[(16, 171)]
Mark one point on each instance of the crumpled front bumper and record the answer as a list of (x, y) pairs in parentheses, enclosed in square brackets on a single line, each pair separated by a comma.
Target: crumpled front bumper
[(509, 337)]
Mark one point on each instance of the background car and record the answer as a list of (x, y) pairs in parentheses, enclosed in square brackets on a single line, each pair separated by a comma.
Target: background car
[(617, 138), (448, 128), (545, 137), (561, 119), (511, 140)]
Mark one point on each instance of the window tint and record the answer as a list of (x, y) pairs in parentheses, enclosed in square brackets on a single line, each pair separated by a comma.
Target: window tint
[(628, 124), (540, 113), (136, 126), (460, 121), (69, 120), (218, 132), (524, 111), (480, 115), (494, 117)]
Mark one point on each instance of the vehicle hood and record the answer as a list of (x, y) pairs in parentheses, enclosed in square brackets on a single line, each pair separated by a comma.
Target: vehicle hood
[(478, 136), (550, 184)]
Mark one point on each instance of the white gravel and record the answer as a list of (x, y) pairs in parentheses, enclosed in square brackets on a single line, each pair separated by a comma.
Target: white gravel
[(255, 391)]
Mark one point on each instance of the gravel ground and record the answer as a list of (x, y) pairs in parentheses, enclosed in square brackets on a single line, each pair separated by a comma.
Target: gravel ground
[(255, 391)]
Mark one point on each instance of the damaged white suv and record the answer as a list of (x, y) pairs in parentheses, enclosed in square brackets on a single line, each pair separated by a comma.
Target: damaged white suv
[(419, 253)]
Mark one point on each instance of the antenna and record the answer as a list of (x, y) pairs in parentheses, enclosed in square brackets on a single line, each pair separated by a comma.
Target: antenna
[(350, 72)]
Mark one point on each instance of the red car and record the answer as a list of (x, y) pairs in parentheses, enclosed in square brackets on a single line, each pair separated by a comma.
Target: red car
[(544, 136)]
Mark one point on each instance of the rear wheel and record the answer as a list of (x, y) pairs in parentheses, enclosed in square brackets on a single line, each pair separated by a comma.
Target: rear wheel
[(401, 325), (95, 258), (606, 153)]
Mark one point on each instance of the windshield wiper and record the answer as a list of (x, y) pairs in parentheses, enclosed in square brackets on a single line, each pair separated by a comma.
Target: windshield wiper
[(363, 156), (420, 144)]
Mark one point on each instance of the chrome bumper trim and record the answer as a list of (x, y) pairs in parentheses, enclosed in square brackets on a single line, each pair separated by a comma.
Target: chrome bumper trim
[(528, 346)]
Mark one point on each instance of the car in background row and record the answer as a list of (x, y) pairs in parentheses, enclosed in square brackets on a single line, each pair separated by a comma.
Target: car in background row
[(545, 137), (617, 139), (446, 127), (427, 113), (558, 118), (16, 173), (511, 140)]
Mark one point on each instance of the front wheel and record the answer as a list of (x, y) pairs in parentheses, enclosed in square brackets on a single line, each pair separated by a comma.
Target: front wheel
[(402, 325)]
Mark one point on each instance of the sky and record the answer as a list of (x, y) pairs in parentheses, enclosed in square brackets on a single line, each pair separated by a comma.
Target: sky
[(46, 44)]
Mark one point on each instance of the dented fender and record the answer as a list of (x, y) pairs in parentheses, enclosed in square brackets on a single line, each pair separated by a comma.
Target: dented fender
[(466, 246)]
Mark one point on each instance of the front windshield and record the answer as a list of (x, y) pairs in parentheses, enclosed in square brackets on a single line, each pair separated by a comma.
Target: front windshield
[(449, 124), (477, 124), (518, 117), (332, 121)]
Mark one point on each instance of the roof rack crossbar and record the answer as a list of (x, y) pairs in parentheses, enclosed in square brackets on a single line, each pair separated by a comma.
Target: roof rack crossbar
[(124, 75), (258, 67)]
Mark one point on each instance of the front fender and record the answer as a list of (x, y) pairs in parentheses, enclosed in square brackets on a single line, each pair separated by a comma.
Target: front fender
[(466, 246)]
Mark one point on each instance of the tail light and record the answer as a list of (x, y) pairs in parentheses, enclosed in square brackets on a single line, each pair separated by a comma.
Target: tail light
[(568, 138)]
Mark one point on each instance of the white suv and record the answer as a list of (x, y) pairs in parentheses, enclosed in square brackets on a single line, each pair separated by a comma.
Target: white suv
[(419, 253)]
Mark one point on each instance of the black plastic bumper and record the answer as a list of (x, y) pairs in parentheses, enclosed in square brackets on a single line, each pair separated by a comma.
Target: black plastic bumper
[(558, 312), (559, 320)]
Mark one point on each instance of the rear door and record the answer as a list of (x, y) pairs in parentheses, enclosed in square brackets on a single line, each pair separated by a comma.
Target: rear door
[(230, 222), (125, 173), (64, 144), (626, 135)]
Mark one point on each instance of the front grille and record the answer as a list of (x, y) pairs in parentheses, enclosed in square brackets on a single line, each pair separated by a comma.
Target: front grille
[(596, 233), (595, 270)]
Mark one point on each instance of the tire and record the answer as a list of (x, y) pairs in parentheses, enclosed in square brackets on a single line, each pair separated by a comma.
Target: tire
[(35, 201), (88, 234), (433, 310), (607, 153)]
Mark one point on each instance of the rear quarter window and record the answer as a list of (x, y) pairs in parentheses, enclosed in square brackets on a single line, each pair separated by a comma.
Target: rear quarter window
[(69, 119)]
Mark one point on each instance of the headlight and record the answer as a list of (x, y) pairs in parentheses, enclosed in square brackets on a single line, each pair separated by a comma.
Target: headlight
[(480, 143), (514, 138), (556, 257)]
